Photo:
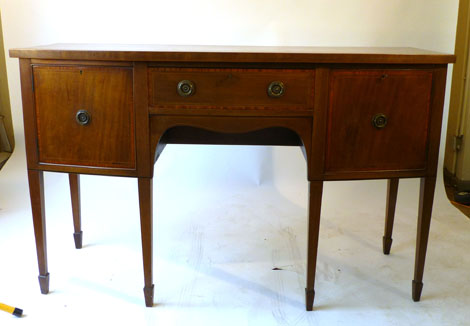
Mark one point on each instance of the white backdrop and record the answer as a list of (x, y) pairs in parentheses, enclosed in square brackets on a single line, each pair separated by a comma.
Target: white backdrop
[(216, 240), (428, 24)]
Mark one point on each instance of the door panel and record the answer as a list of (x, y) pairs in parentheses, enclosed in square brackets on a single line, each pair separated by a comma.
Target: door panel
[(104, 95)]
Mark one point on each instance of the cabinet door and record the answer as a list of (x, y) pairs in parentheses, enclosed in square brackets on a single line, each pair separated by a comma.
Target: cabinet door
[(103, 134), (378, 120)]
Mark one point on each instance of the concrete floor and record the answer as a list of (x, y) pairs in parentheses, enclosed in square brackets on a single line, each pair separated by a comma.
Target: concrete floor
[(217, 241)]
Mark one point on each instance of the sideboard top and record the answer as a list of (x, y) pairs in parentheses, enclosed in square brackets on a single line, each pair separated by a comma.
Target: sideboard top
[(240, 54)]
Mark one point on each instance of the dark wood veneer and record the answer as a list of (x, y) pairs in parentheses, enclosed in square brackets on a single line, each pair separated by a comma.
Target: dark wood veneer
[(331, 96), (104, 92), (355, 97), (243, 54), (231, 88)]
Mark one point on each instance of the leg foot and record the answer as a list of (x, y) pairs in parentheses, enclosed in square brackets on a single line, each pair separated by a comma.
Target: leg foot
[(44, 283), (416, 289), (148, 293), (309, 298), (78, 237), (387, 245)]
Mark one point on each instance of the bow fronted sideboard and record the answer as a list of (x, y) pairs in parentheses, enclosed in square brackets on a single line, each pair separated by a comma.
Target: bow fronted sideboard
[(356, 113)]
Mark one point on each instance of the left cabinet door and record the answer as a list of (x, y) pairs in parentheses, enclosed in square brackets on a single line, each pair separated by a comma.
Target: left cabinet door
[(85, 116)]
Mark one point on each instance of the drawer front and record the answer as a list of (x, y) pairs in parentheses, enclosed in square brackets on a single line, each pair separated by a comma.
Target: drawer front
[(378, 120), (85, 116), (232, 88)]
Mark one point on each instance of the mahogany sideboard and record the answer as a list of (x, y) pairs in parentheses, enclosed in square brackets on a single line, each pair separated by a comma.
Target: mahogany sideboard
[(356, 113)]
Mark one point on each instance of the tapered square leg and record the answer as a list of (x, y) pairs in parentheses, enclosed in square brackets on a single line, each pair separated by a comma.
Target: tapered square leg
[(392, 191), (146, 227), (74, 181), (426, 197), (36, 192), (314, 211)]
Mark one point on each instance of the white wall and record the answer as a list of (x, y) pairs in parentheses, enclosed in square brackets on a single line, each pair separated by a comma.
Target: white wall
[(428, 24)]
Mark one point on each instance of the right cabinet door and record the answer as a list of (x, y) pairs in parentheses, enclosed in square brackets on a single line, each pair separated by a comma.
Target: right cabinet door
[(378, 120)]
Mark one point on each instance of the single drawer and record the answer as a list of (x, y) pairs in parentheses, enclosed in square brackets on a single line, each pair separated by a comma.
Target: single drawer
[(378, 120), (85, 116), (231, 88)]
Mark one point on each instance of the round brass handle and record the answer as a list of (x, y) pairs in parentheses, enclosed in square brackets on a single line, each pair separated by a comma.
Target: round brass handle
[(186, 88), (379, 121), (276, 89), (83, 117)]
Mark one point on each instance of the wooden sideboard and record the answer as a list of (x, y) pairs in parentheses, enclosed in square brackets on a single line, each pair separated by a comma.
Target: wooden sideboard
[(356, 113)]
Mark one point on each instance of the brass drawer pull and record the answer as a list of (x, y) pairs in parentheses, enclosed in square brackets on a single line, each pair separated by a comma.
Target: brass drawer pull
[(186, 88), (83, 117), (379, 121), (276, 89)]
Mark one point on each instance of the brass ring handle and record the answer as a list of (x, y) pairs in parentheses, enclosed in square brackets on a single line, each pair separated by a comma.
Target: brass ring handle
[(379, 121), (276, 89), (83, 117), (186, 88)]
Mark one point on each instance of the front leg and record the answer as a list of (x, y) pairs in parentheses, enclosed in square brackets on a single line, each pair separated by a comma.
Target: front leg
[(426, 197), (36, 192), (146, 226), (314, 210)]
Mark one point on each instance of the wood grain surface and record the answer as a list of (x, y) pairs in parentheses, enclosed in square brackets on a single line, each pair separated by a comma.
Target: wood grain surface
[(211, 53), (356, 96), (106, 93), (330, 98), (231, 88)]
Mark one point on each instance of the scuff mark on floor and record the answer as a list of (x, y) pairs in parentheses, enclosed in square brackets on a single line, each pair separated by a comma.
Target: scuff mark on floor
[(194, 261)]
